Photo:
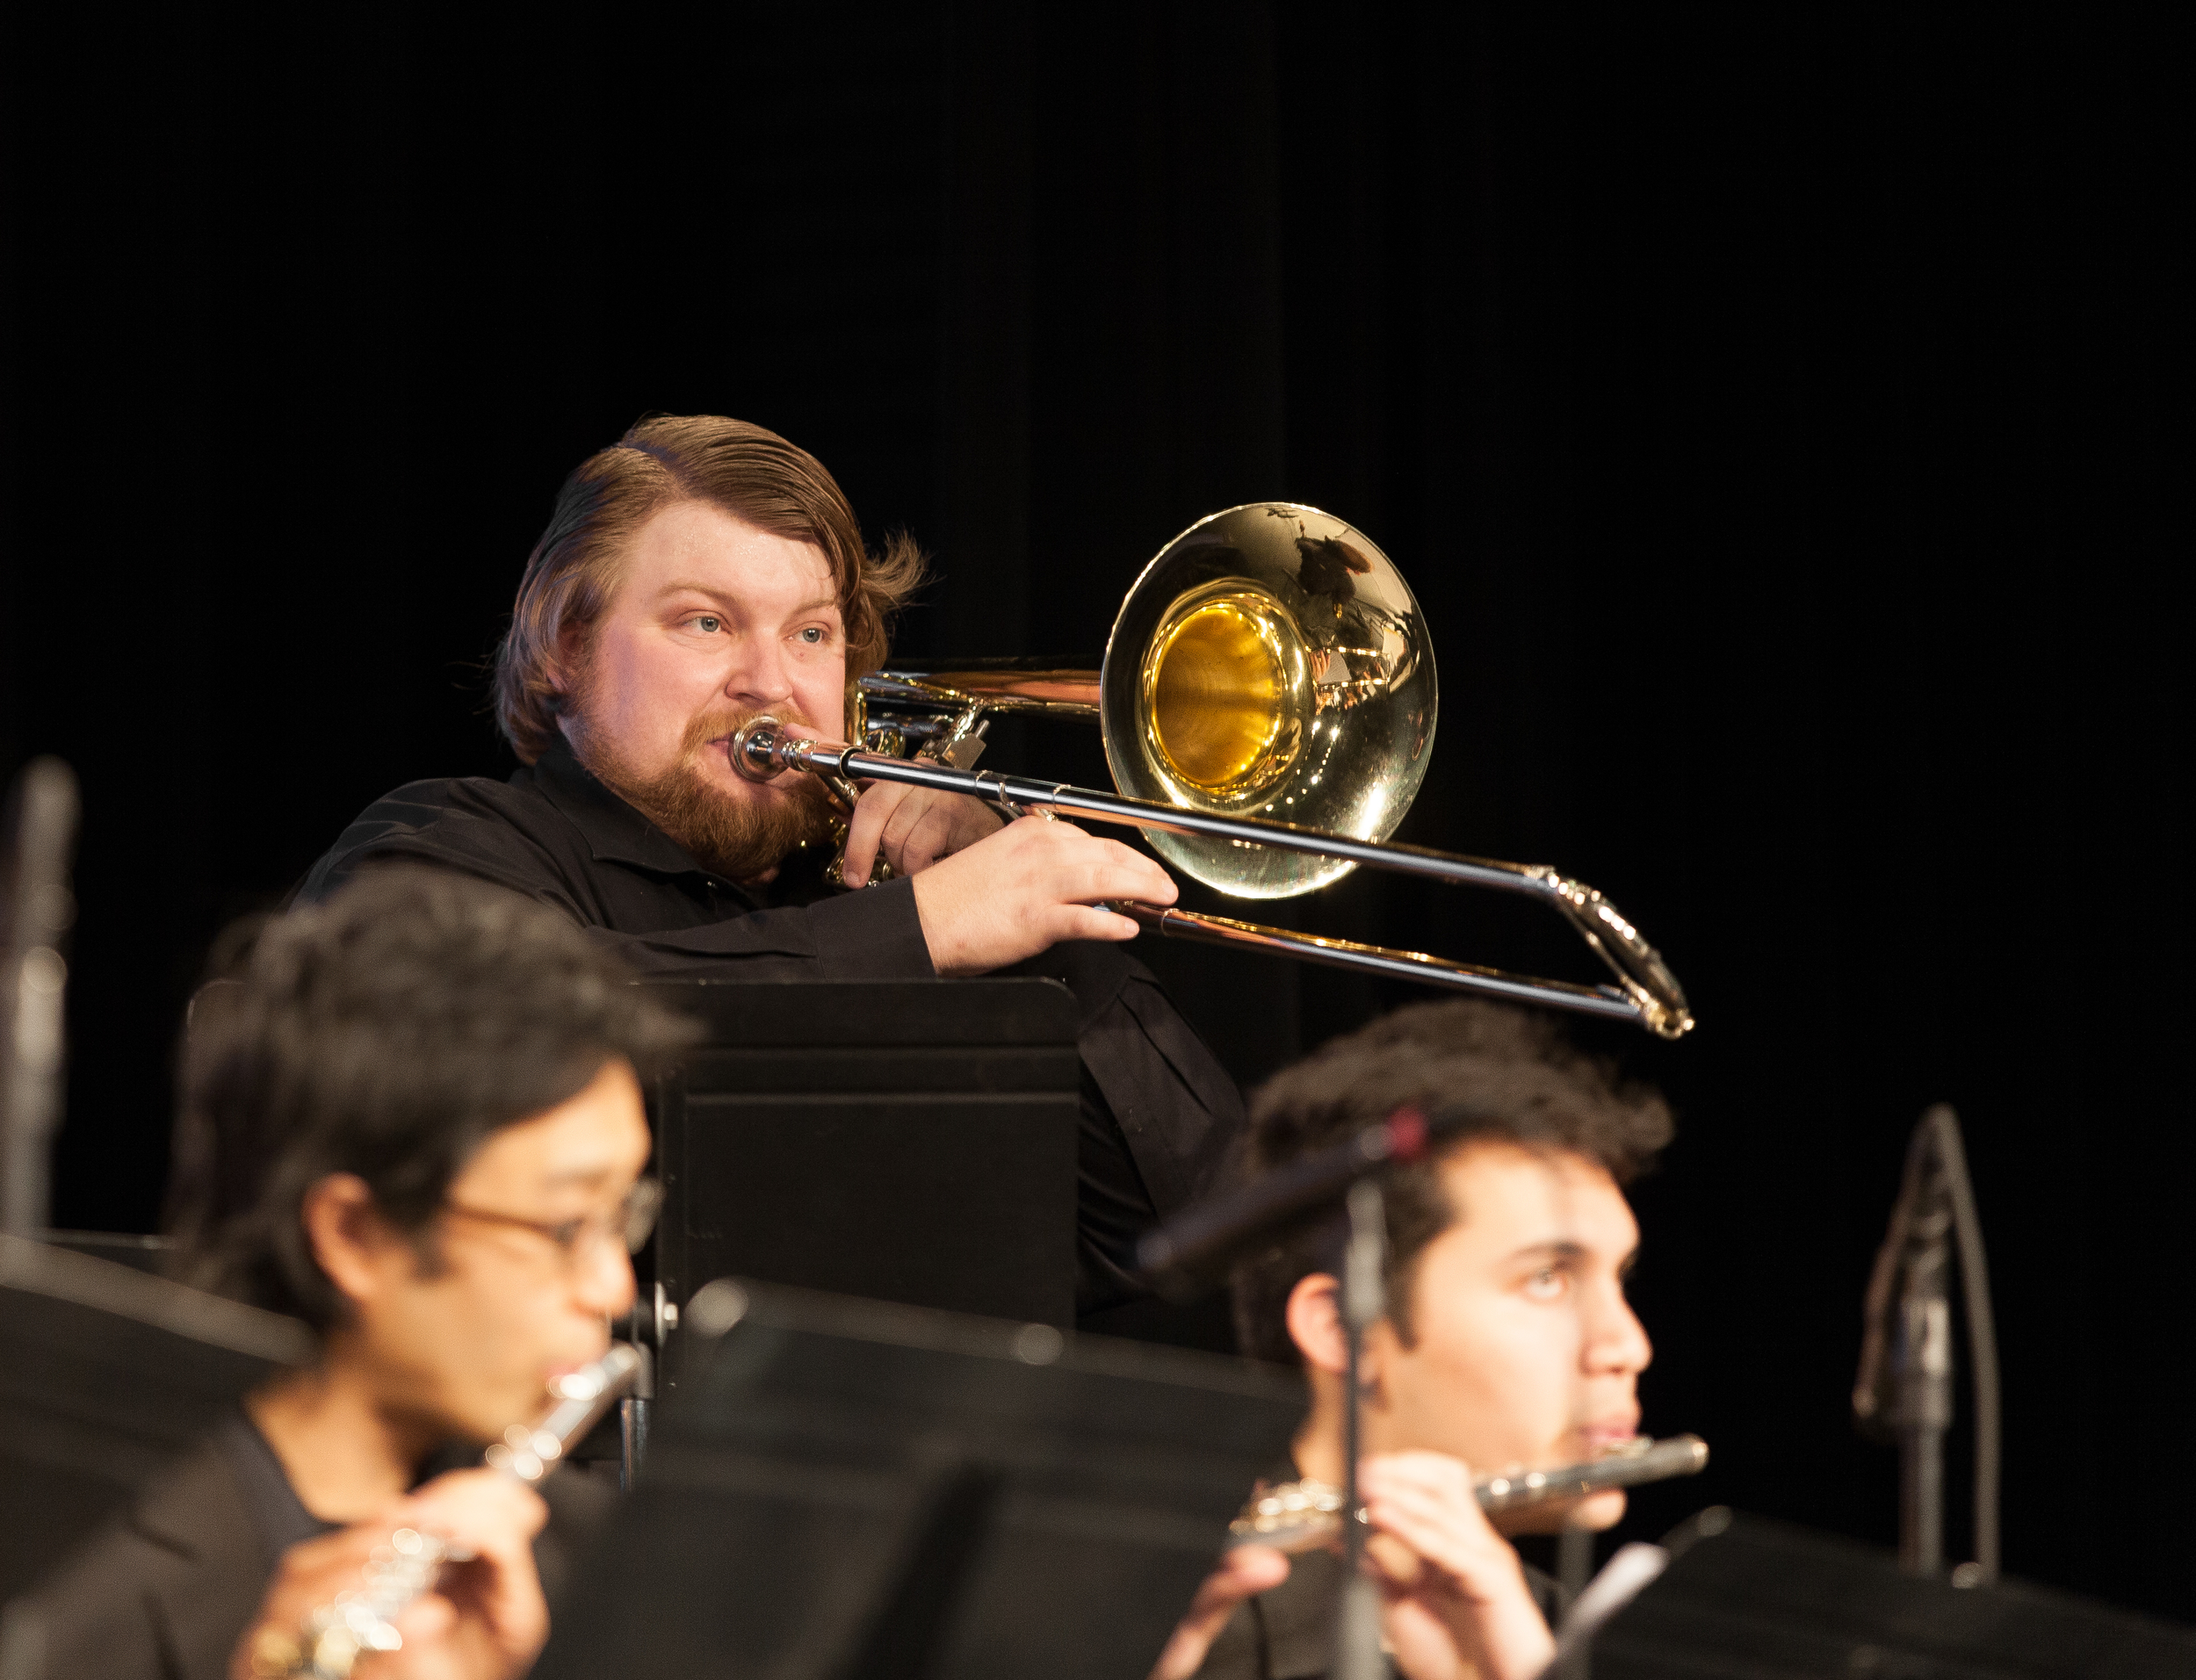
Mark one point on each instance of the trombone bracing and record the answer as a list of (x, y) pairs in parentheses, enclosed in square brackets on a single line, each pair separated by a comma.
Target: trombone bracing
[(1268, 705)]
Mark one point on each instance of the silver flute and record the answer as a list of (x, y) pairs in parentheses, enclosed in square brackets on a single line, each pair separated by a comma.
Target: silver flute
[(1296, 1516), (335, 1636)]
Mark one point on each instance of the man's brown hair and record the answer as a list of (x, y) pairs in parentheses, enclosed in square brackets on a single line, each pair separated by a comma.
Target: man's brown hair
[(754, 475), (1533, 1087)]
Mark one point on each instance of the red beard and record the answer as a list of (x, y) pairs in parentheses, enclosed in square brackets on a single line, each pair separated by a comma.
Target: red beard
[(739, 838)]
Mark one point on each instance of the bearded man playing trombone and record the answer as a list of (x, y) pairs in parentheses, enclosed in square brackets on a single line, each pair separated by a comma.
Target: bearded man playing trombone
[(1506, 1341), (699, 574)]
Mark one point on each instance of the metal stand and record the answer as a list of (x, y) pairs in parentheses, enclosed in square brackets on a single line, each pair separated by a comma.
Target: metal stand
[(1357, 1654), (647, 1331), (1904, 1390), (36, 910), (1922, 1372)]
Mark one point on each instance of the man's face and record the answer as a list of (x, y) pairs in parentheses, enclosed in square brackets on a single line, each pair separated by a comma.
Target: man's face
[(1526, 1352), (467, 1346), (713, 622)]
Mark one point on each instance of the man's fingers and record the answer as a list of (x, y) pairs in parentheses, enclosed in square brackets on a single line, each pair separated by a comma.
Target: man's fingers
[(480, 1510), (1131, 874), (1434, 1474), (917, 838), (430, 1616), (1242, 1572), (484, 1513), (865, 829), (911, 828), (1087, 922), (1479, 1561), (1013, 893), (1248, 1569), (1091, 870), (1425, 1500)]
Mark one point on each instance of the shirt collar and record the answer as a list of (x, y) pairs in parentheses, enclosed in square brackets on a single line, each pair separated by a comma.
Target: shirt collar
[(615, 833)]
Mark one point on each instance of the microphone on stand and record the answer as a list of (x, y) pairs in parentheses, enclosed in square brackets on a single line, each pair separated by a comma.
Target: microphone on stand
[(1190, 1251), (39, 836), (1903, 1391)]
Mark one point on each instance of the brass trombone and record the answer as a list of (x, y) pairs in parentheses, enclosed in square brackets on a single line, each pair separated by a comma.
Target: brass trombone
[(1268, 704)]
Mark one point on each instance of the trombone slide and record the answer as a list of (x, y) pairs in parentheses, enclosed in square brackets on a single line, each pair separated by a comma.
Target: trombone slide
[(1645, 991)]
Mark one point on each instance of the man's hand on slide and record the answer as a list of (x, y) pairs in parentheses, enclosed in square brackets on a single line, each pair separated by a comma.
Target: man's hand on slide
[(1025, 889), (914, 827)]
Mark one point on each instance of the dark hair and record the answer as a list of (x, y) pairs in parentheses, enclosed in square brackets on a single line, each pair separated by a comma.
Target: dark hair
[(386, 1033), (1517, 1068), (752, 474)]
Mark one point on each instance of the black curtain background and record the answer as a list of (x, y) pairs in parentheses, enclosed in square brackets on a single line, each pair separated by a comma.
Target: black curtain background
[(1766, 404)]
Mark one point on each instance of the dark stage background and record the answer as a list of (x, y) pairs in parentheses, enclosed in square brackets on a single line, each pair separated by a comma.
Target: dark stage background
[(1763, 401)]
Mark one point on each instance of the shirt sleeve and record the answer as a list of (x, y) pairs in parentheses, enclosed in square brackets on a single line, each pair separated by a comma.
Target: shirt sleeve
[(875, 934), (872, 934)]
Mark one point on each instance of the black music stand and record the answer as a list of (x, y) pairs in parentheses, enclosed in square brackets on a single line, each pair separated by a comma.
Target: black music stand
[(909, 1140), (1744, 1594), (105, 1375), (848, 1490)]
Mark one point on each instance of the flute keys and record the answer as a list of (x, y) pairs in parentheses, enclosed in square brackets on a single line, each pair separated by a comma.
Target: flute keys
[(335, 1650), (1290, 1514), (275, 1654), (521, 1461)]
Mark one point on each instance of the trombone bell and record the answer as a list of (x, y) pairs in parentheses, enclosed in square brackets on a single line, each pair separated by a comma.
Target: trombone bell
[(1269, 663), (1219, 704), (1267, 703)]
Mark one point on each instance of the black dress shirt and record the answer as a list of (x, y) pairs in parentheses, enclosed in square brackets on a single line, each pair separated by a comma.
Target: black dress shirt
[(1159, 1111), (167, 1590)]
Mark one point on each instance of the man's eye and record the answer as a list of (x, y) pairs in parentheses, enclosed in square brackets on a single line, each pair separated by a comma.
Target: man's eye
[(813, 635), (569, 1233), (709, 623), (1547, 1284)]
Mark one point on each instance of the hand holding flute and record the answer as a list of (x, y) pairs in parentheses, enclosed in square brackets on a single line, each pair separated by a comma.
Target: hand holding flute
[(483, 1618), (440, 1585), (1455, 1598)]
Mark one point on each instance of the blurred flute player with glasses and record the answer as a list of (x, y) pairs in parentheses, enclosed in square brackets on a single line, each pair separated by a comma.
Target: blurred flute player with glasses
[(1506, 1341), (414, 1120)]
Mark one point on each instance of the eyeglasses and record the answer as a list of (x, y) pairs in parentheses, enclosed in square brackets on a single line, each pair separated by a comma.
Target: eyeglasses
[(628, 1224)]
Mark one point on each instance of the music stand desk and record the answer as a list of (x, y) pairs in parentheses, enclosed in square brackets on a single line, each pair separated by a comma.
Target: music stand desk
[(1747, 1595), (906, 1141), (106, 1375), (850, 1490)]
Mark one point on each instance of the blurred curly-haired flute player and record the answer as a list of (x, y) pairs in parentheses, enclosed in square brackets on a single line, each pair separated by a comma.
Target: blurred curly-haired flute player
[(1507, 1341), (702, 572), (413, 1121)]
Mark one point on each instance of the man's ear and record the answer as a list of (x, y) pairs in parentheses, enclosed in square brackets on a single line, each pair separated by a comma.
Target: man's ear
[(1315, 1322), (346, 1234), (568, 651)]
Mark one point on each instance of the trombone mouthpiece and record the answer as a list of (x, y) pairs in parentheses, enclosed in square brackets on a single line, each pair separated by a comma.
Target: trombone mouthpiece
[(755, 749)]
